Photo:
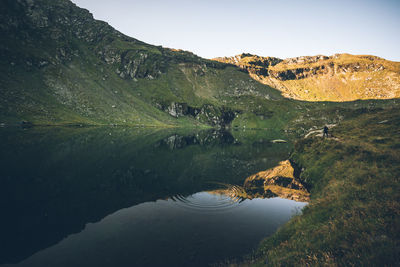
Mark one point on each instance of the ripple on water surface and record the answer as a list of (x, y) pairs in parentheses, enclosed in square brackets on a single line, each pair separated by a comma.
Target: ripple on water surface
[(207, 202)]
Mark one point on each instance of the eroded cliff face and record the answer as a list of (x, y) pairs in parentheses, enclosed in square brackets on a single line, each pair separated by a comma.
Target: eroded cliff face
[(341, 77), (207, 113), (252, 64)]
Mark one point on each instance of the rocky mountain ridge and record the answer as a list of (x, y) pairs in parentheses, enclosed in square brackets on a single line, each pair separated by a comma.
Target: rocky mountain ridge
[(341, 77)]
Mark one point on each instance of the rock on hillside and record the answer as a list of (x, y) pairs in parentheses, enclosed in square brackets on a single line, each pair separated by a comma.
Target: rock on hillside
[(341, 77)]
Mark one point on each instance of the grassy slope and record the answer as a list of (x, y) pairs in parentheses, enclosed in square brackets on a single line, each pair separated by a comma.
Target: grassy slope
[(76, 93), (354, 214), (83, 90), (345, 86)]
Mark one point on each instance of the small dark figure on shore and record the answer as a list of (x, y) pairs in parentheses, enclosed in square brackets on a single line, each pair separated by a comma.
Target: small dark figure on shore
[(325, 132)]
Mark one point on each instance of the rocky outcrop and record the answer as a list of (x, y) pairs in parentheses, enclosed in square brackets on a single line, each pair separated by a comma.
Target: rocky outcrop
[(279, 181), (251, 63), (300, 73), (210, 114), (139, 64), (305, 59), (328, 68)]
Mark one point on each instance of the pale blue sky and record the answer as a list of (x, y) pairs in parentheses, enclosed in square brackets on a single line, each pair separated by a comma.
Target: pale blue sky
[(280, 28)]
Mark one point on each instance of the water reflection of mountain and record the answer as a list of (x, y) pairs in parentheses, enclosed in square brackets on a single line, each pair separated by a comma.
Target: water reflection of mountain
[(56, 180), (205, 138)]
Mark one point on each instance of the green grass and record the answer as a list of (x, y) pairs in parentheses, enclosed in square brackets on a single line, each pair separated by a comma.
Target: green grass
[(353, 217)]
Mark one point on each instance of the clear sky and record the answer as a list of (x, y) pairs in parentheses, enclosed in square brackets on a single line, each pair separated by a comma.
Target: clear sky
[(280, 28)]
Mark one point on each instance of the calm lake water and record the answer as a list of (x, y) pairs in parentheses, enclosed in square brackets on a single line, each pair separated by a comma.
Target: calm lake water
[(133, 196)]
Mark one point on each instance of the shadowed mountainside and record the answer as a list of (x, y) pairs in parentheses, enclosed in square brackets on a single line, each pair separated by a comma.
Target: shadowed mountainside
[(58, 65)]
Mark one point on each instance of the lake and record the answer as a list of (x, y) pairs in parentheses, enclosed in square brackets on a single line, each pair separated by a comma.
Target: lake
[(116, 196)]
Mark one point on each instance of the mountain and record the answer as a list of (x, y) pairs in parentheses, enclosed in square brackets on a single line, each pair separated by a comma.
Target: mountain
[(341, 77), (58, 65)]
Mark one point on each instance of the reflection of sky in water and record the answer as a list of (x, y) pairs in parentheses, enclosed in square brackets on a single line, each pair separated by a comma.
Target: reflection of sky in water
[(198, 229)]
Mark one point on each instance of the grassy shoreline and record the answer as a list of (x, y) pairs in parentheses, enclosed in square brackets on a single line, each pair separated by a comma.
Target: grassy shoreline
[(353, 218)]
